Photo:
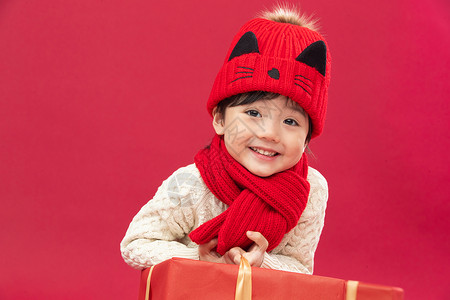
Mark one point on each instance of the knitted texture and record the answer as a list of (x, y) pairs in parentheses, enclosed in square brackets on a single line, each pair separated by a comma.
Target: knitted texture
[(183, 202), (272, 66), (271, 206)]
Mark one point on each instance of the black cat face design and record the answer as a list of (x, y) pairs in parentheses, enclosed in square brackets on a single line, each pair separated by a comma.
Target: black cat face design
[(315, 55)]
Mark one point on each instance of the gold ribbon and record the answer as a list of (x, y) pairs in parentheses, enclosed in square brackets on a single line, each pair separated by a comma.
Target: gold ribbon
[(147, 288), (352, 288), (244, 281)]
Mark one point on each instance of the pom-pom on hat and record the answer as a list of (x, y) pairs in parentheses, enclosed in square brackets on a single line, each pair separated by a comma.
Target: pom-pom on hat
[(276, 57)]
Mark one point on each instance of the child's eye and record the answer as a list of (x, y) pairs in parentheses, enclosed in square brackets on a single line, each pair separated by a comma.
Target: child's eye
[(291, 122), (253, 113)]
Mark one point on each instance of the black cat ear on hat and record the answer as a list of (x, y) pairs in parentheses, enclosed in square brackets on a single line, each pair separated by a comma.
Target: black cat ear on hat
[(315, 56), (246, 44)]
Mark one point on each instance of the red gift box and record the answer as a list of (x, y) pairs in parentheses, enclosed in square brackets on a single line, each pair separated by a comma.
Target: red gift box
[(186, 279)]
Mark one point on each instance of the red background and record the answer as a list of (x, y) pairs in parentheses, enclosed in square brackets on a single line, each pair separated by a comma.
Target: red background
[(102, 100)]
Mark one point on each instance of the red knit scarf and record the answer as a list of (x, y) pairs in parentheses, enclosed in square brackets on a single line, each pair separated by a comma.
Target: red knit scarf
[(270, 205)]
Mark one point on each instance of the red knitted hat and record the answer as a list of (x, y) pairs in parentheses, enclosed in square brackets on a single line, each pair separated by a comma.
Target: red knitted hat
[(282, 58)]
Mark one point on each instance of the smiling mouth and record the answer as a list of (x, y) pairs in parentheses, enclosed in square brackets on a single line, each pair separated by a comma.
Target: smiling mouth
[(264, 152)]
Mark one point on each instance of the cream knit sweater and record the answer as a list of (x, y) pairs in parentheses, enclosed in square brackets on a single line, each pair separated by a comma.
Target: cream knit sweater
[(183, 202)]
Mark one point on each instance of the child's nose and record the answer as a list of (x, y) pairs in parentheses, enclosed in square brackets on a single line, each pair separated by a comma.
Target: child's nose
[(270, 131)]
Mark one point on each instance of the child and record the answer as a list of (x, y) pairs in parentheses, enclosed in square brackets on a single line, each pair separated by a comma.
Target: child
[(251, 192)]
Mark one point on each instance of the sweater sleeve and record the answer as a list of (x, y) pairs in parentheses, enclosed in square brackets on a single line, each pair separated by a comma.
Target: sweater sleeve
[(159, 230), (296, 251)]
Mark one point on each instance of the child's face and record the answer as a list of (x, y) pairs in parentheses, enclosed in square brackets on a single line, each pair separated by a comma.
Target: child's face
[(266, 137)]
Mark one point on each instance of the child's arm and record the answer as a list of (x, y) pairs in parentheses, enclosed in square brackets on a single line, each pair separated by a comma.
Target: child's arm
[(159, 231)]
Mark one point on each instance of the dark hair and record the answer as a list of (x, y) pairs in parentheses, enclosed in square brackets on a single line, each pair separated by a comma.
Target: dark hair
[(251, 97)]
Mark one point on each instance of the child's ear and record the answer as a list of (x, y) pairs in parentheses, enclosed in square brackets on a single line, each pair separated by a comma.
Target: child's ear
[(218, 122)]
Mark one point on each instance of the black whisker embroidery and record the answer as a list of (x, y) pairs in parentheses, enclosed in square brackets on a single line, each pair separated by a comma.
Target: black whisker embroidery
[(304, 77), (244, 72), (303, 88), (302, 82), (246, 68), (241, 78)]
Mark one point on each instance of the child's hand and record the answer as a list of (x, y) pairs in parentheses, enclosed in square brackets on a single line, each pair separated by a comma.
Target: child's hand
[(206, 253), (255, 254)]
